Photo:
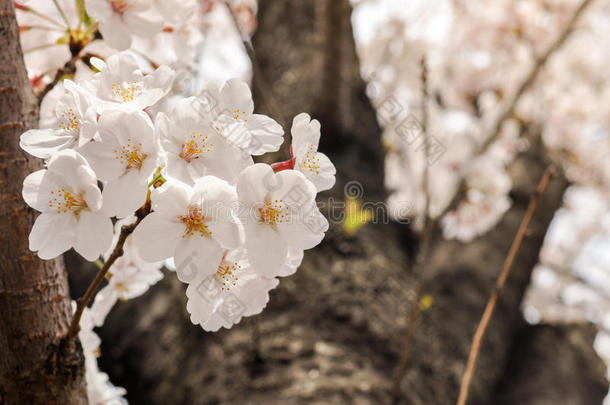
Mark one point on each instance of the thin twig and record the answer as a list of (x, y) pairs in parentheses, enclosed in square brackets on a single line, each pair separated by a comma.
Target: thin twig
[(83, 302), (69, 68), (493, 300), (423, 252), (264, 89)]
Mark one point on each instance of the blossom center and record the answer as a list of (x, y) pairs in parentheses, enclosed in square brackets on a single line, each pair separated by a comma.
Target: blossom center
[(70, 122), (194, 222), (130, 155), (239, 115), (126, 91), (119, 6), (196, 145), (63, 201), (273, 213), (311, 161), (226, 275)]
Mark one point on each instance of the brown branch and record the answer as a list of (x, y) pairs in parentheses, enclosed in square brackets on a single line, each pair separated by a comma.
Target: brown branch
[(126, 230), (493, 300), (69, 68), (263, 87)]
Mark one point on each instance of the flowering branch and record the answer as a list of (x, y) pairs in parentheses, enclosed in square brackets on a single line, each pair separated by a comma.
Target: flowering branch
[(493, 300), (69, 68), (509, 106), (101, 274)]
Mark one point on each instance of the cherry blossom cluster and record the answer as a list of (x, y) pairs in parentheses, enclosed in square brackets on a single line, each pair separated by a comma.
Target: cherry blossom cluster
[(218, 215)]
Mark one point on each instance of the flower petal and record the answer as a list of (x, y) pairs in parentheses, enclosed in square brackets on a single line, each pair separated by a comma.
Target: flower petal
[(93, 235), (43, 143), (196, 257), (156, 237), (123, 196), (266, 248), (52, 234)]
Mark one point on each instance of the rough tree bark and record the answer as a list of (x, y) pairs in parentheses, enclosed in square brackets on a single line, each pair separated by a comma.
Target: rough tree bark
[(333, 332), (552, 365), (35, 367)]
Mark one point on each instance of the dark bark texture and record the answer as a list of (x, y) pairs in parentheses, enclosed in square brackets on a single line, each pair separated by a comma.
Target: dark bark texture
[(553, 365), (333, 332), (35, 367)]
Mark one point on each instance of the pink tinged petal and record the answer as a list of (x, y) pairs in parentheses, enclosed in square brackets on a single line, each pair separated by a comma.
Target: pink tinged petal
[(215, 322), (101, 156), (266, 248), (36, 191), (197, 257), (157, 85), (166, 132), (171, 200), (116, 33), (126, 127), (305, 132), (157, 236), (254, 293), (305, 229), (292, 263), (236, 99), (254, 183), (43, 143), (144, 23), (322, 176), (180, 169), (119, 68), (93, 235), (216, 196), (227, 233), (266, 134), (93, 197), (202, 298), (88, 127), (52, 234), (123, 196), (99, 9), (71, 169), (294, 190)]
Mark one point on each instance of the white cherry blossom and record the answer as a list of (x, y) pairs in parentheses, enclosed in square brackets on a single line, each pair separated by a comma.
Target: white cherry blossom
[(193, 224), (233, 110), (316, 166), (193, 146), (119, 20), (278, 211), (124, 158), (73, 125), (121, 83), (70, 202), (99, 388), (235, 290), (485, 203)]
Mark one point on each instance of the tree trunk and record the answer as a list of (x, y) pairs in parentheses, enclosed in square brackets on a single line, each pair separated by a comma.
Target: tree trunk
[(552, 365), (35, 367)]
